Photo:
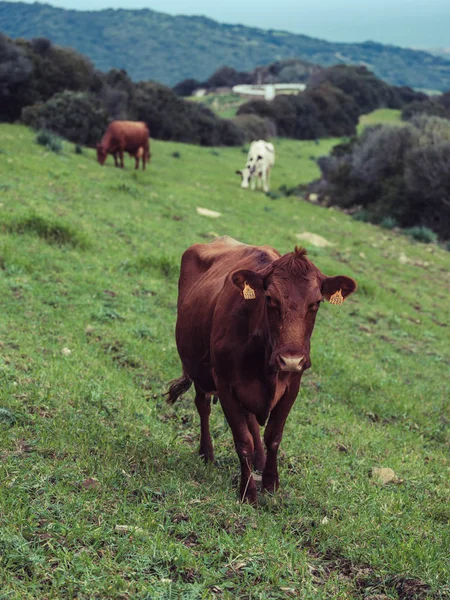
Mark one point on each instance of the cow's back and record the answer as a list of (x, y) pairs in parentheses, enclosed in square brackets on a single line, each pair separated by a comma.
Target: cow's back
[(128, 135), (204, 270)]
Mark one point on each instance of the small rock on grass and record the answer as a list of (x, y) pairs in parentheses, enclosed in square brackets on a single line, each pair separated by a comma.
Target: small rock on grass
[(124, 529), (314, 239), (206, 212), (384, 475)]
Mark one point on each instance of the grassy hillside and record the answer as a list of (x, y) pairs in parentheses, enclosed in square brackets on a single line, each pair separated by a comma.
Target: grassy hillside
[(152, 45), (224, 105), (101, 492), (386, 116)]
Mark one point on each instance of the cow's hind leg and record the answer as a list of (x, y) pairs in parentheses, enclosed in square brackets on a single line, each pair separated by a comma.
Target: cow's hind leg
[(259, 456), (203, 404)]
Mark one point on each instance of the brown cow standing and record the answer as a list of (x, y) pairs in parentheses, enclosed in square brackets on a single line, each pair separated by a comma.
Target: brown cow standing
[(125, 136), (245, 319)]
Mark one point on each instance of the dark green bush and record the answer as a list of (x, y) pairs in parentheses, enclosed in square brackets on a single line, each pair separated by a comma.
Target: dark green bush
[(428, 107), (76, 116), (321, 111), (49, 140), (422, 234), (15, 69), (395, 175), (361, 215), (186, 87), (388, 223), (171, 118), (255, 128), (367, 91)]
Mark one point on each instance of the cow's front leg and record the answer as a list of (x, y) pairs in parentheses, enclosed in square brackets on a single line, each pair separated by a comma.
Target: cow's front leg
[(137, 162), (121, 158), (243, 442), (273, 435), (116, 164), (266, 180), (259, 456)]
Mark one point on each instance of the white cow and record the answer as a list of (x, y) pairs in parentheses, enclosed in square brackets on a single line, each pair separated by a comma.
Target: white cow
[(260, 160)]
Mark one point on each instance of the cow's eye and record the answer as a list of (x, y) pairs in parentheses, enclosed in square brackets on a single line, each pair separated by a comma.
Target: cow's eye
[(271, 302)]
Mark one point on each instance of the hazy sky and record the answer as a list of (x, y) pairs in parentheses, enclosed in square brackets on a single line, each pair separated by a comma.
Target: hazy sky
[(413, 23)]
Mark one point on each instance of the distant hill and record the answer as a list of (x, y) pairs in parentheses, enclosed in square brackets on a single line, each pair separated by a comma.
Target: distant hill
[(153, 45)]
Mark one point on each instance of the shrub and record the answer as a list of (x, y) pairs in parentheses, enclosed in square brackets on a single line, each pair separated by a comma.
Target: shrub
[(396, 175), (255, 128), (319, 112), (427, 107), (50, 141), (361, 215), (15, 69), (388, 223), (227, 77), (367, 91), (186, 87), (422, 234), (77, 116), (171, 118)]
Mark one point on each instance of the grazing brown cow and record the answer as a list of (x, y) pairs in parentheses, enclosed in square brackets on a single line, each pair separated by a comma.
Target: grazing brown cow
[(125, 136), (245, 319)]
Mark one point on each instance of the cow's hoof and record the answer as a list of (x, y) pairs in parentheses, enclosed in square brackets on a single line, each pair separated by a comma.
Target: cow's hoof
[(248, 493), (270, 485), (250, 498), (207, 455)]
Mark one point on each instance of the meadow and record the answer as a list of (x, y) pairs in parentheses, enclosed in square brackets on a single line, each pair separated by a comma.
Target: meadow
[(102, 494)]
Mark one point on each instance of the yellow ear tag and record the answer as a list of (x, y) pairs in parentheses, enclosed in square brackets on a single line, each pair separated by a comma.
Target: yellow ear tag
[(337, 298), (248, 292)]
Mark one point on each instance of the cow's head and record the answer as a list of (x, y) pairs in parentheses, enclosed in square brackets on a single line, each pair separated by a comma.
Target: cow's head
[(101, 154), (248, 172), (287, 296)]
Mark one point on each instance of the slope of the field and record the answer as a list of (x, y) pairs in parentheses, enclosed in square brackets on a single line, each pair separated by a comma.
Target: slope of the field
[(166, 48), (101, 492)]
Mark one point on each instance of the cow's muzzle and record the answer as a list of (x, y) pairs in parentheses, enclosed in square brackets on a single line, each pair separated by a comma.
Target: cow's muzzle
[(290, 363)]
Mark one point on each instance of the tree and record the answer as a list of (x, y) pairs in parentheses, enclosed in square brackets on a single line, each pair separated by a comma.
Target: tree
[(15, 69)]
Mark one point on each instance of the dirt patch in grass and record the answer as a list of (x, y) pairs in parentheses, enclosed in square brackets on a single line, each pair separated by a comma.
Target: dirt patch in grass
[(118, 354), (364, 579)]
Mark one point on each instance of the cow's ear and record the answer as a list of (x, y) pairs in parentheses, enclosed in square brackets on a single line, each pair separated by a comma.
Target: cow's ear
[(336, 289), (259, 157), (249, 283), (239, 173)]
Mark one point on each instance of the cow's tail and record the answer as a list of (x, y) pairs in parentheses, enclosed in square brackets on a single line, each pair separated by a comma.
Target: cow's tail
[(177, 387)]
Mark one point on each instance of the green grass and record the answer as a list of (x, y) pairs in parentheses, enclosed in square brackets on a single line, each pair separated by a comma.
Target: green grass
[(384, 116), (224, 105), (102, 494)]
